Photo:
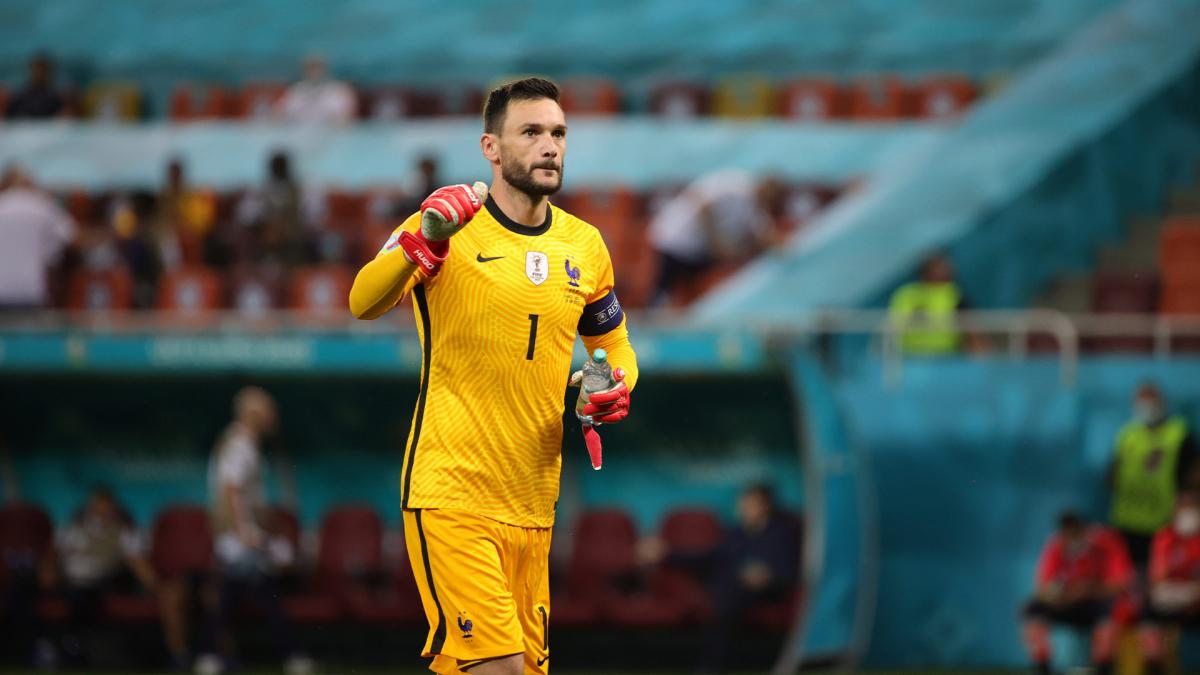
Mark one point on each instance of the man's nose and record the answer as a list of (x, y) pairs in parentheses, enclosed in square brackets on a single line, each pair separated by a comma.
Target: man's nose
[(549, 149)]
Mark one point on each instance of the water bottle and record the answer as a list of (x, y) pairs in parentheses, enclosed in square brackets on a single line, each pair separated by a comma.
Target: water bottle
[(597, 376)]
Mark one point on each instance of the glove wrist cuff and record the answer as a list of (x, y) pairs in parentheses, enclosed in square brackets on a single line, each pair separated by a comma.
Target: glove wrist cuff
[(428, 255)]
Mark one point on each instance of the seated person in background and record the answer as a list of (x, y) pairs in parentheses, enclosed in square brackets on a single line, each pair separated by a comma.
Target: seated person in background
[(1153, 457), (727, 215), (37, 99), (35, 232), (757, 561), (924, 312), (1174, 596), (101, 553), (1081, 572), (249, 559), (318, 99), (276, 219)]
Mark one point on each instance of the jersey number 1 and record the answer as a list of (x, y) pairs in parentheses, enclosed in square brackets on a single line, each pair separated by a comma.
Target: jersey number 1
[(533, 319)]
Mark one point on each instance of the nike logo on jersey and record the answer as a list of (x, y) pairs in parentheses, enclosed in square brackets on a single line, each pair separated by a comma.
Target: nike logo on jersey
[(479, 257), (542, 661)]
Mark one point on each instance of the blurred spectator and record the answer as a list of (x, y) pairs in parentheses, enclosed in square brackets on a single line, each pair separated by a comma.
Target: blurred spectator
[(400, 203), (249, 557), (275, 219), (34, 231), (102, 553), (1174, 596), (724, 216), (758, 561), (318, 99), (1154, 456), (182, 219), (37, 99), (924, 312), (1082, 571)]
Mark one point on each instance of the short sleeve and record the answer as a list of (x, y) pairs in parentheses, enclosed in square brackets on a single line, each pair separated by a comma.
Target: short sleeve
[(238, 461), (1050, 564)]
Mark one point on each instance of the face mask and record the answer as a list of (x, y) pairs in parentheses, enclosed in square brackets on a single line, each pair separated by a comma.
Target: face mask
[(1187, 521), (1147, 412)]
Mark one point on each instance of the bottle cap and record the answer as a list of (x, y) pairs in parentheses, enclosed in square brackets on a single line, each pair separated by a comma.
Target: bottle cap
[(599, 356)]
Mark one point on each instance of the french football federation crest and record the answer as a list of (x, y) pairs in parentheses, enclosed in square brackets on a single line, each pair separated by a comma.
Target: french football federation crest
[(537, 267), (572, 274)]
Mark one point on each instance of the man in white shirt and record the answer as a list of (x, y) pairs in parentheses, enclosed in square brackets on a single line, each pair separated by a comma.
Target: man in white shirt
[(34, 231), (726, 215), (248, 556), (318, 99)]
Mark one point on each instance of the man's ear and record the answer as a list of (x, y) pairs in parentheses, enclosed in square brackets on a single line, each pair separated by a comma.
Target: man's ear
[(490, 145)]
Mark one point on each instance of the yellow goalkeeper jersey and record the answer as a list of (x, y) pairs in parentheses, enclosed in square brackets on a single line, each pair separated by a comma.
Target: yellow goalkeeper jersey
[(497, 328)]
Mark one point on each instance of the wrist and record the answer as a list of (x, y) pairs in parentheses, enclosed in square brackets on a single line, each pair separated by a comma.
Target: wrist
[(426, 254)]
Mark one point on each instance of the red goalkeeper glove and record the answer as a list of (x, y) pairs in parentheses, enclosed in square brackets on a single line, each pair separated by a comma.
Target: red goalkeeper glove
[(610, 405), (443, 214)]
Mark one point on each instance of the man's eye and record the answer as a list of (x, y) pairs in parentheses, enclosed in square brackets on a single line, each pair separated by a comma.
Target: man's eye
[(529, 132), (560, 134)]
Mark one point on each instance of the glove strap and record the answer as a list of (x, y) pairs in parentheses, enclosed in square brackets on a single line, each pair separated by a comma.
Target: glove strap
[(428, 255)]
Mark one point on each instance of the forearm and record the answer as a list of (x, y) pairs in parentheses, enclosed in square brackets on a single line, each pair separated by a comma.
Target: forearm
[(620, 351), (380, 284)]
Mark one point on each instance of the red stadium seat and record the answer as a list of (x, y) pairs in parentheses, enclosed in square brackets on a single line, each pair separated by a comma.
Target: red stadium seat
[(347, 212), (190, 290), (691, 532), (1122, 293), (680, 99), (1179, 246), (878, 99), (100, 290), (943, 97), (351, 549), (26, 535), (617, 212), (181, 542), (257, 100), (603, 552), (191, 102), (591, 96), (1181, 300), (812, 100), (321, 289), (397, 602), (393, 103)]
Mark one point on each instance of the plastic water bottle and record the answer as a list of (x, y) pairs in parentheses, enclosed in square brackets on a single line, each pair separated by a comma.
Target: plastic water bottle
[(597, 376)]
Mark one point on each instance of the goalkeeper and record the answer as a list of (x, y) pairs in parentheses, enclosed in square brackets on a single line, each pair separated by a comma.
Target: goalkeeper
[(502, 281)]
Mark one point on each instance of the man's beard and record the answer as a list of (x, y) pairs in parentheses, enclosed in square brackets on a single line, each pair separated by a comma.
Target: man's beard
[(522, 178)]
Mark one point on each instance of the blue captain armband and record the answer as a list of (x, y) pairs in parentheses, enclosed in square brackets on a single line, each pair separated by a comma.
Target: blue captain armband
[(601, 316)]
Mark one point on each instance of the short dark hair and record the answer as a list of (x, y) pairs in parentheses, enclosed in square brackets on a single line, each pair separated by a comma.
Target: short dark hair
[(1070, 520), (528, 89)]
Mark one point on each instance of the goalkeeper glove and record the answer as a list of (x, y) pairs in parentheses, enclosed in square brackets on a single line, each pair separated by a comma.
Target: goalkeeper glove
[(443, 214), (605, 406)]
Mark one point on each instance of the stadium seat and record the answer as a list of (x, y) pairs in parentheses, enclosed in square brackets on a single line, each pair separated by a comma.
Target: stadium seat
[(679, 99), (397, 601), (744, 97), (374, 236), (1179, 243), (617, 212), (943, 97), (321, 289), (253, 292), (392, 103), (113, 102), (190, 102), (879, 98), (603, 553), (181, 542), (351, 551), (690, 532), (100, 290), (347, 212), (257, 101), (1181, 300), (812, 100), (26, 535), (190, 290), (590, 96), (1123, 293)]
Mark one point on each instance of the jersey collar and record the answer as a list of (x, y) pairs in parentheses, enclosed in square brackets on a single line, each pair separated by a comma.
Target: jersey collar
[(512, 225)]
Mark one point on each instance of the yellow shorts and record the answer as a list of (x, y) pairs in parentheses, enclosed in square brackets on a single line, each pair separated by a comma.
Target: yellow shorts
[(485, 588)]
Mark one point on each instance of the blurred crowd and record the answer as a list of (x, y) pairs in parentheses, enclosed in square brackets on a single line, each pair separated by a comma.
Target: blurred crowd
[(1139, 572)]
